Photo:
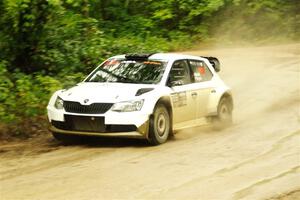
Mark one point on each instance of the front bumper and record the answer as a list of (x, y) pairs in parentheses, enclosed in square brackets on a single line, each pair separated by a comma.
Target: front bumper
[(138, 134), (109, 124)]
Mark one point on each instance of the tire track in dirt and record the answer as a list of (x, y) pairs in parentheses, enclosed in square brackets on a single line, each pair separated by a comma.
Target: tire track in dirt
[(262, 156), (245, 191)]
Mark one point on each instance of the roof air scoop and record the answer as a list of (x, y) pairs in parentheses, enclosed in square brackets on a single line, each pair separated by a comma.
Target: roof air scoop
[(138, 56)]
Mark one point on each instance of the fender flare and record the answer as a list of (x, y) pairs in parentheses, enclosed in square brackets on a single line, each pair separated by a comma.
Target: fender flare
[(166, 101)]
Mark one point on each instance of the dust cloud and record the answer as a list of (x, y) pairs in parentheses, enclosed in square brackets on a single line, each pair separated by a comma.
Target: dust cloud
[(252, 23)]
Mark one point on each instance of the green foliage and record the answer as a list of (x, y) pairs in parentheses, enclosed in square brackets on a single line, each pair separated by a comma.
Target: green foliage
[(70, 43), (22, 23), (24, 95), (7, 104)]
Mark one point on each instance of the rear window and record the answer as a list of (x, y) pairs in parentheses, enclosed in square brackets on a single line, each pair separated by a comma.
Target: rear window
[(200, 71)]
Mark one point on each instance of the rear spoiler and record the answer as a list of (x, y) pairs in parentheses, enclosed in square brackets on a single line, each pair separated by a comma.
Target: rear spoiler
[(214, 62)]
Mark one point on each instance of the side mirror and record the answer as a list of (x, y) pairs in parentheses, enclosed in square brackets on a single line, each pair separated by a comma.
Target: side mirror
[(174, 83)]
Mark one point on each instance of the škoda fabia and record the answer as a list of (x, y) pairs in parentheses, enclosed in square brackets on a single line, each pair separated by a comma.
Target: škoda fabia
[(146, 96)]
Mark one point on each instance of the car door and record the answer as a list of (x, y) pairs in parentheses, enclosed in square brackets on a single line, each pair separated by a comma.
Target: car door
[(203, 82), (184, 95)]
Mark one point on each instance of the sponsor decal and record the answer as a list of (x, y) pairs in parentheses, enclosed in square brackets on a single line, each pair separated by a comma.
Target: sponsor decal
[(179, 99)]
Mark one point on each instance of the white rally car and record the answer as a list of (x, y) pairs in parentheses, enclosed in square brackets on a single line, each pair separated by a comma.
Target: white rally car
[(145, 96)]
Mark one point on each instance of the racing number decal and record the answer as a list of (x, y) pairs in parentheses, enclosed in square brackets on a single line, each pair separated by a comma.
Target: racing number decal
[(179, 99)]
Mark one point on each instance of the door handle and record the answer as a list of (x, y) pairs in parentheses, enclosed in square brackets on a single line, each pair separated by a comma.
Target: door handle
[(213, 91), (194, 94)]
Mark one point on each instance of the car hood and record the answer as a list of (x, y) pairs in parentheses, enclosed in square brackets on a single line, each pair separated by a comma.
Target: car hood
[(88, 93)]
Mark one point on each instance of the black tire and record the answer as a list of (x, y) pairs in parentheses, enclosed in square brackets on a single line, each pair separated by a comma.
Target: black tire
[(160, 125), (224, 117)]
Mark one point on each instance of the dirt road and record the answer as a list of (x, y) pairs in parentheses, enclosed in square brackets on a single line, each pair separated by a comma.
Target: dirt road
[(257, 158)]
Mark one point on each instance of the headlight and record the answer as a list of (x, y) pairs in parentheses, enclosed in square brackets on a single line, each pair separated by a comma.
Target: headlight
[(59, 103), (128, 106)]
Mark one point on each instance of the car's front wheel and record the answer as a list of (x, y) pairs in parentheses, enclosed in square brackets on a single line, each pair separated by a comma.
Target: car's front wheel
[(159, 125)]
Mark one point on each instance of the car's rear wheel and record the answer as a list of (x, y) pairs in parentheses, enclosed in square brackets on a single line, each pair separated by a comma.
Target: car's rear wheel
[(159, 125), (224, 116)]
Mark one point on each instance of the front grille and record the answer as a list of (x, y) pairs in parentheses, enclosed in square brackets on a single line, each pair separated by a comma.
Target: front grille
[(95, 108), (120, 128)]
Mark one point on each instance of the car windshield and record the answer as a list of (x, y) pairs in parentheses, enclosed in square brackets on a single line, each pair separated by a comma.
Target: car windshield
[(124, 71)]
